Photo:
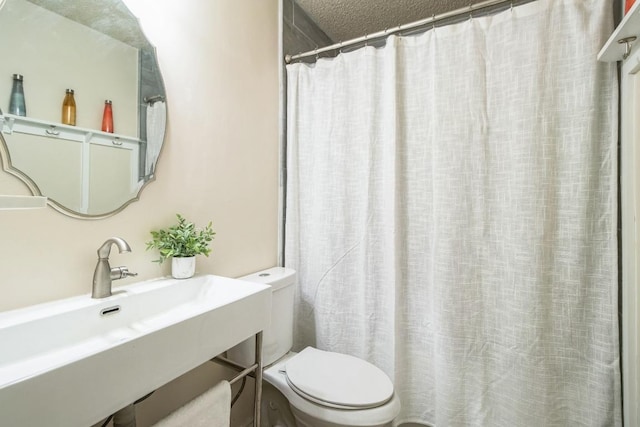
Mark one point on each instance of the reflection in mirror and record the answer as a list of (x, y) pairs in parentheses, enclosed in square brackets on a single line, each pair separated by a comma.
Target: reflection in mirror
[(96, 48)]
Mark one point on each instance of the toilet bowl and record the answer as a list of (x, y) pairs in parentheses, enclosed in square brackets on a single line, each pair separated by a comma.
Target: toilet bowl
[(322, 388), (369, 409)]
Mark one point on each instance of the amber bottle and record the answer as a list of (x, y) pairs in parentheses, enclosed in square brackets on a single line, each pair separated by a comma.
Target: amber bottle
[(69, 109)]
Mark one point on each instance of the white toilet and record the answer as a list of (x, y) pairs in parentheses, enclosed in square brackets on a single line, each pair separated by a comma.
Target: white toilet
[(321, 388)]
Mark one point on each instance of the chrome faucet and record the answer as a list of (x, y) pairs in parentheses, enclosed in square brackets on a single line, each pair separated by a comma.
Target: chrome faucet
[(104, 273)]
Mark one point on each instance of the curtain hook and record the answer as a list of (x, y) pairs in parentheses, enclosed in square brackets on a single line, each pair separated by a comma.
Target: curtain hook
[(340, 47), (471, 12), (511, 6), (433, 21), (366, 42), (316, 52)]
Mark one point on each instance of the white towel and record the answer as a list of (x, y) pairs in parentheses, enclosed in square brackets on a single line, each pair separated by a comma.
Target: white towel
[(156, 123), (211, 409)]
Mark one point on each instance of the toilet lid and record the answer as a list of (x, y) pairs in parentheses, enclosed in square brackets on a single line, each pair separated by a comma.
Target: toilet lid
[(338, 380)]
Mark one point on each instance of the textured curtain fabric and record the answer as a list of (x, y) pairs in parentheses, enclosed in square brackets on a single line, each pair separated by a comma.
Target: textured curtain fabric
[(156, 122), (451, 213)]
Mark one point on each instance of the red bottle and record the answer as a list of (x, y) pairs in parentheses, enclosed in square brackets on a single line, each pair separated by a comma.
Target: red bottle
[(628, 5), (107, 117)]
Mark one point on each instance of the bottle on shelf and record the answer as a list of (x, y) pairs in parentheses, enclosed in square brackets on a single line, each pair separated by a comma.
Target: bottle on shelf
[(107, 117), (69, 109), (16, 102)]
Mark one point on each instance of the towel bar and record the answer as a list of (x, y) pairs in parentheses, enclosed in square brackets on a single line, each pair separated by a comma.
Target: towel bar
[(243, 374), (254, 371)]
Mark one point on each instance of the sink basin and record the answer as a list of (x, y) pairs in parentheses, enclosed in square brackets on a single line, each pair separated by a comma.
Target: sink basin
[(75, 361)]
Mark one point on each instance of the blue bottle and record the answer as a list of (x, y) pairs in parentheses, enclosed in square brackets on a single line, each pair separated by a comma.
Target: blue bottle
[(16, 103)]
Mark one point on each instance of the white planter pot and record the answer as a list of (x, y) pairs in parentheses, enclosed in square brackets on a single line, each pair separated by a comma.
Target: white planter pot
[(183, 268)]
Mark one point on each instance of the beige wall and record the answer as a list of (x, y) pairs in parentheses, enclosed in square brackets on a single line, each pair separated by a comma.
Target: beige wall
[(220, 163), (55, 165)]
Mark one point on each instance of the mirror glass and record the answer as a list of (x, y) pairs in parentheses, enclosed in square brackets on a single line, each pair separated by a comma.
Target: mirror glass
[(96, 48)]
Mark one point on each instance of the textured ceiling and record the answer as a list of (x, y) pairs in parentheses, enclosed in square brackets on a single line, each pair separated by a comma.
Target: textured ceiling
[(110, 17), (346, 19)]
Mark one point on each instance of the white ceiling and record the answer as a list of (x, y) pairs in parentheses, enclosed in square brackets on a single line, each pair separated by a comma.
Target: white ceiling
[(346, 19)]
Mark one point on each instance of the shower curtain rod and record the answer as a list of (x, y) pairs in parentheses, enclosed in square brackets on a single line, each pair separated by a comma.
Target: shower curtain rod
[(417, 24)]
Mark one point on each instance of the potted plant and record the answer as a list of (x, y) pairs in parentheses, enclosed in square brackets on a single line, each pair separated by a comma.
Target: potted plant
[(182, 242)]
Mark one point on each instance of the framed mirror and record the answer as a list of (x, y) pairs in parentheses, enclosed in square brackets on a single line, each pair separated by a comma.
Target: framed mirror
[(97, 49)]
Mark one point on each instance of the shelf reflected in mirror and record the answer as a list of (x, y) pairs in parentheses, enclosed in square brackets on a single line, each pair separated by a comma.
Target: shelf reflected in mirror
[(96, 48)]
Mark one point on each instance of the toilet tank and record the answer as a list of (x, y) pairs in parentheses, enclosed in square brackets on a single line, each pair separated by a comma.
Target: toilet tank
[(277, 337)]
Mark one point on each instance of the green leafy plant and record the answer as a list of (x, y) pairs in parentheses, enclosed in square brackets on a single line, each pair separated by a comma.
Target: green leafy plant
[(181, 240)]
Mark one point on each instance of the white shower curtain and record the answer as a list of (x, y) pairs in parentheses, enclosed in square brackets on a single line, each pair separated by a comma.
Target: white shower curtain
[(451, 213), (156, 124)]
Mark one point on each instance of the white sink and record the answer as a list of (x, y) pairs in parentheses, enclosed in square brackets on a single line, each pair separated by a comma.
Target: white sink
[(65, 363)]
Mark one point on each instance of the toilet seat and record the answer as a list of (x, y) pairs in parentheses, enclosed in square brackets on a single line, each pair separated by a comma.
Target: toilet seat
[(337, 380)]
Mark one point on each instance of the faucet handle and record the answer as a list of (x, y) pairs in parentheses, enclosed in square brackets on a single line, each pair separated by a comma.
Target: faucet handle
[(127, 273), (121, 273)]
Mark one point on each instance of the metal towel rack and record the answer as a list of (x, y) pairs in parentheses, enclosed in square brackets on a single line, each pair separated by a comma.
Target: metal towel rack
[(254, 371)]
